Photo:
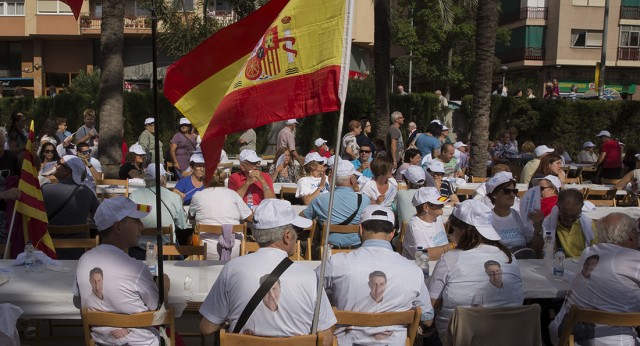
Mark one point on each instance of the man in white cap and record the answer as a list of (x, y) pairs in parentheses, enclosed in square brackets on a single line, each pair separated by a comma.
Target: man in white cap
[(134, 165), (70, 201), (188, 186), (444, 135), (347, 205), (127, 284), (426, 227), (587, 155), (147, 140), (610, 157), (321, 147), (463, 156), (248, 140), (531, 166), (250, 180), (374, 278), (435, 169), (172, 212), (415, 178), (287, 139), (274, 222)]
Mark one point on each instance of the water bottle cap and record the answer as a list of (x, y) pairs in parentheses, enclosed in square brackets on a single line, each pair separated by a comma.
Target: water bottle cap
[(547, 233), (420, 248)]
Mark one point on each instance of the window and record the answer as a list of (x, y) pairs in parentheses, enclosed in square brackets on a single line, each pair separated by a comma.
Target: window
[(53, 7), (586, 38), (597, 3), (629, 36), (186, 5), (12, 8)]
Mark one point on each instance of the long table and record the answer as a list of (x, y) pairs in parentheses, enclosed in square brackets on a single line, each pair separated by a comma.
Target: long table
[(120, 189), (48, 294)]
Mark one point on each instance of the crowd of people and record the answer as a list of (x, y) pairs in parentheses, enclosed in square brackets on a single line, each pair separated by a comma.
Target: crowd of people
[(383, 189)]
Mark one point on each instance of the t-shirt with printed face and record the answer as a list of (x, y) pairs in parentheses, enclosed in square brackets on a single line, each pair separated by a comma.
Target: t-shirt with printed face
[(425, 234), (511, 230)]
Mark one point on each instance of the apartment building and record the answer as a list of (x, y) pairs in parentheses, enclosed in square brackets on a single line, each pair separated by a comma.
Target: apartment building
[(42, 45), (563, 39)]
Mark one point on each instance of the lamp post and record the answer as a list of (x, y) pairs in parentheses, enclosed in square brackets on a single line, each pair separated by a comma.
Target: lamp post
[(504, 74), (392, 68)]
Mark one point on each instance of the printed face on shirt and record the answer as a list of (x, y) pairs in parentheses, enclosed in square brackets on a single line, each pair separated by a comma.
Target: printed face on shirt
[(95, 278), (589, 265), (377, 285), (495, 275), (272, 297)]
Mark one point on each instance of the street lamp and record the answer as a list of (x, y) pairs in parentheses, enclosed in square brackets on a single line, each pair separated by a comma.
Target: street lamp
[(504, 73), (392, 68)]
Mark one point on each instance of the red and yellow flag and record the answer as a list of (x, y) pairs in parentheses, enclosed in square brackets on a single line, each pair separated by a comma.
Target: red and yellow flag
[(285, 60), (31, 204)]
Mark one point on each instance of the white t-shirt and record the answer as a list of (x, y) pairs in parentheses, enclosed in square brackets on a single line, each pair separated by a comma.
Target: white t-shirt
[(309, 185), (352, 279), (370, 189), (613, 285), (127, 288), (425, 234), (239, 280), (459, 275), (511, 230)]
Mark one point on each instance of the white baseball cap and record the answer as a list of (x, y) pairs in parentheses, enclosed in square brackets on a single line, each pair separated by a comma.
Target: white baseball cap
[(292, 121), (428, 194), (249, 156), (319, 142), (476, 213), (78, 169), (196, 158), (637, 156), (148, 121), (499, 179), (436, 121), (377, 212), (457, 145), (151, 170), (541, 150), (137, 149), (444, 128), (314, 156), (588, 145), (436, 166), (184, 121), (346, 168), (554, 180), (604, 133), (272, 213), (115, 209), (415, 174)]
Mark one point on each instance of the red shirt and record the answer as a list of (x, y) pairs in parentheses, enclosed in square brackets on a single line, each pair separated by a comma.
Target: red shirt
[(322, 152), (613, 159), (236, 180), (125, 150), (547, 203)]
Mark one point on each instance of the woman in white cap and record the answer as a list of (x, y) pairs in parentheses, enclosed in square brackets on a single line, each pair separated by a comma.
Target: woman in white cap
[(189, 185), (316, 181), (382, 189), (283, 170), (183, 145), (133, 166), (147, 140), (426, 228), (480, 271), (587, 155), (435, 168)]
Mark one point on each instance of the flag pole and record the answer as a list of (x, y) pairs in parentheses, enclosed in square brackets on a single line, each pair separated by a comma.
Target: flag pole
[(7, 248), (344, 75)]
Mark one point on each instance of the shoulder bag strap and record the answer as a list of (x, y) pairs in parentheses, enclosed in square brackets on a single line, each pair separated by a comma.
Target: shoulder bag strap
[(191, 142), (260, 293), (57, 211), (352, 216)]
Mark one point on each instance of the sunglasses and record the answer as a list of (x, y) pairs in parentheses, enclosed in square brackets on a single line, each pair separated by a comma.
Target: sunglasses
[(509, 191), (542, 188), (49, 151), (86, 152), (365, 151)]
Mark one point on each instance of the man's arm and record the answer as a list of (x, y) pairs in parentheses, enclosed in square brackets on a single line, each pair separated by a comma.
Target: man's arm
[(393, 146), (208, 328), (601, 158)]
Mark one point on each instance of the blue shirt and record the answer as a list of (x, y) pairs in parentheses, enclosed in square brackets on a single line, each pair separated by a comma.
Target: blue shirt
[(344, 204), (185, 186), (427, 144), (367, 172)]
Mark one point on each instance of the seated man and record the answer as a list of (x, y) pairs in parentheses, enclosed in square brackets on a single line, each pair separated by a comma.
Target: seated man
[(374, 278), (609, 281), (241, 277), (189, 185), (250, 180), (347, 205), (571, 230), (107, 279), (363, 162), (94, 168)]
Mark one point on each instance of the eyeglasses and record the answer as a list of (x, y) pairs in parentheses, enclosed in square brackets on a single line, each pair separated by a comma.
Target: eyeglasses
[(86, 152), (542, 188), (185, 125), (365, 151), (49, 151), (509, 191)]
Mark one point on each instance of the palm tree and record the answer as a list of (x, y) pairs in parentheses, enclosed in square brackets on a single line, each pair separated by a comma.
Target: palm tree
[(111, 79), (381, 63), (486, 30)]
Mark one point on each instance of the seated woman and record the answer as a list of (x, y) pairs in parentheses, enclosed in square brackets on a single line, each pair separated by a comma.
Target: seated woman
[(426, 228), (134, 163), (382, 189), (189, 185), (505, 149), (283, 170), (631, 177), (231, 210), (48, 158), (411, 157), (479, 272), (435, 168), (316, 182), (550, 164), (549, 190)]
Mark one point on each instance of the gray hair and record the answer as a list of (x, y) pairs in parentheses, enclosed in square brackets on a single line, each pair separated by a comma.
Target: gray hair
[(615, 228), (343, 181), (266, 237), (412, 125), (150, 181), (395, 115)]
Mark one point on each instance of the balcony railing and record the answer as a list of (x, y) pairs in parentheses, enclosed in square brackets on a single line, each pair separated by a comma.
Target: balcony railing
[(92, 21), (629, 53), (520, 54), (223, 17), (630, 12), (524, 13)]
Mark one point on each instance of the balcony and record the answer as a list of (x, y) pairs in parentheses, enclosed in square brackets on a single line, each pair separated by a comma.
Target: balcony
[(90, 23), (223, 17), (520, 54), (629, 53), (531, 13), (630, 12)]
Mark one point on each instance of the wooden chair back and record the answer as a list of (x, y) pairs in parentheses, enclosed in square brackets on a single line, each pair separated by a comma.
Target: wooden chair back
[(345, 229), (225, 165), (467, 193), (287, 190), (85, 243), (572, 180), (409, 318), (119, 182), (605, 181), (217, 229), (577, 314), (167, 230), (268, 157), (233, 339), (248, 247), (602, 195), (603, 202), (139, 320), (478, 179), (403, 231), (186, 251), (312, 233)]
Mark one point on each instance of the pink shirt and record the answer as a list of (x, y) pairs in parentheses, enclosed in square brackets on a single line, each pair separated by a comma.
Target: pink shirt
[(236, 180)]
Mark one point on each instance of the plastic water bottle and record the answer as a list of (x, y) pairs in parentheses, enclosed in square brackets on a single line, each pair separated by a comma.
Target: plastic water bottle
[(31, 257), (424, 264), (250, 200), (547, 250), (152, 259), (558, 266), (417, 254)]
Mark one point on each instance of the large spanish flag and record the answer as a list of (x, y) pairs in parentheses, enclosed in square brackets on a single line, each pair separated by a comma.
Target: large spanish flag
[(31, 204), (286, 60)]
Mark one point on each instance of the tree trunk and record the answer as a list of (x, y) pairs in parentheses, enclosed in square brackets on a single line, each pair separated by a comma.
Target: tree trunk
[(111, 82), (381, 65), (486, 30)]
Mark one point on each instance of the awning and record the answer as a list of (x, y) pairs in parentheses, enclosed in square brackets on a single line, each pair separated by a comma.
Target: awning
[(583, 86)]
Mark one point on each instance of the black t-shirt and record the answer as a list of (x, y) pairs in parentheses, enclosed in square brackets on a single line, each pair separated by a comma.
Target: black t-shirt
[(9, 162), (362, 139), (125, 169)]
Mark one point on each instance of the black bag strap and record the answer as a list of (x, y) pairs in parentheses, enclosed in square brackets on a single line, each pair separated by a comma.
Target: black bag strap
[(169, 210), (352, 216), (57, 211), (260, 293)]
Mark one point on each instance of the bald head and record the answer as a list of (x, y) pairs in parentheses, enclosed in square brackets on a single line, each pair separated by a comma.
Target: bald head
[(618, 228)]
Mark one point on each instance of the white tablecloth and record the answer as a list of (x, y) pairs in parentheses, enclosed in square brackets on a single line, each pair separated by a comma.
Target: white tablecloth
[(114, 190), (278, 186)]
